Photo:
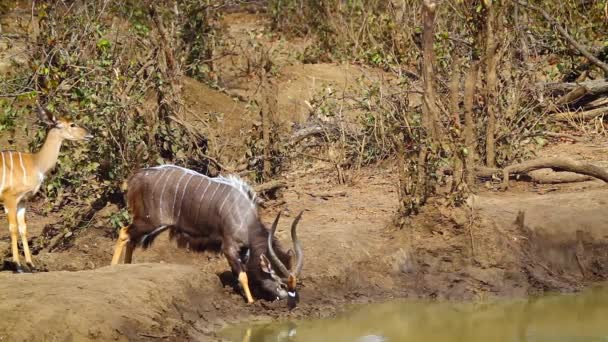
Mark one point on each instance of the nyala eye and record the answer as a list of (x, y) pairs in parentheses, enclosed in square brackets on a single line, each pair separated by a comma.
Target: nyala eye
[(72, 125)]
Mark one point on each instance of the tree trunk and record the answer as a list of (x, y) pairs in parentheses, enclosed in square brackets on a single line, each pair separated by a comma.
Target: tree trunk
[(469, 124), (491, 62), (431, 117), (457, 177)]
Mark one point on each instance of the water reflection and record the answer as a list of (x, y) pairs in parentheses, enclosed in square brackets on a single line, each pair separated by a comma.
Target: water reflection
[(567, 317)]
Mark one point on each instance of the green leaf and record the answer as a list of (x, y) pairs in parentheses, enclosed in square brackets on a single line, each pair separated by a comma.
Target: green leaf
[(103, 44)]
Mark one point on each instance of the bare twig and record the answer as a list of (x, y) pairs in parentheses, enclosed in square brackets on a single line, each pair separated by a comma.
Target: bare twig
[(567, 36), (18, 94), (217, 163), (269, 186), (160, 337), (326, 195), (315, 157)]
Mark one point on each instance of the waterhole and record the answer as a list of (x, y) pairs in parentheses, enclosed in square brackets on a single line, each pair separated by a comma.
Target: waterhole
[(576, 317)]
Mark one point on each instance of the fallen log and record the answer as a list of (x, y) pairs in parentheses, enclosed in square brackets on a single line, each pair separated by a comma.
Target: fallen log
[(594, 87), (548, 176), (541, 176), (586, 115), (557, 164)]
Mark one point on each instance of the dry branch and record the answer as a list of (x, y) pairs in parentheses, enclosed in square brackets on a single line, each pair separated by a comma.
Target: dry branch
[(599, 102), (567, 36), (304, 133), (269, 186), (586, 115), (563, 135), (326, 195), (557, 164), (573, 96)]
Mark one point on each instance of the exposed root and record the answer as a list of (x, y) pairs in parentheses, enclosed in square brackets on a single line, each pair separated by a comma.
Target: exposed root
[(548, 176), (557, 164)]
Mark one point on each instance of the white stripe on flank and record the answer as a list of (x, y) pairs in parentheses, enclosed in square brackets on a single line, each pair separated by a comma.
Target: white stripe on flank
[(231, 180), (231, 209), (224, 202), (158, 179), (200, 201), (175, 197), (220, 194), (160, 200), (181, 200), (236, 212), (196, 189), (10, 172), (23, 169), (217, 186), (3, 173)]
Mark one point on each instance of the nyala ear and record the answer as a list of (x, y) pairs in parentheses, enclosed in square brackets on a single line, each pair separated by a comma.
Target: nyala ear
[(44, 115), (265, 264)]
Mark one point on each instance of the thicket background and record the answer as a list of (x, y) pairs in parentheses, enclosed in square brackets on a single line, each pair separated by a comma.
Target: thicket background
[(477, 86)]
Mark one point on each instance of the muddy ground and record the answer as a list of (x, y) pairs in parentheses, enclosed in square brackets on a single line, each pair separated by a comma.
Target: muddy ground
[(523, 242), (528, 240)]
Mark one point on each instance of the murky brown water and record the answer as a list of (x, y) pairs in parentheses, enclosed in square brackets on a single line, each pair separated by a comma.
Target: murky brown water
[(563, 317)]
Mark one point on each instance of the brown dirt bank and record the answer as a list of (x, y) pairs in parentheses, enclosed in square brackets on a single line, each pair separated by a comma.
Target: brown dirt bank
[(352, 255)]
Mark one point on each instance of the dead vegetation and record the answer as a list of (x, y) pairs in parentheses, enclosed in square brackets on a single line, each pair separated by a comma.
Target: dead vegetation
[(490, 114), (458, 98)]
